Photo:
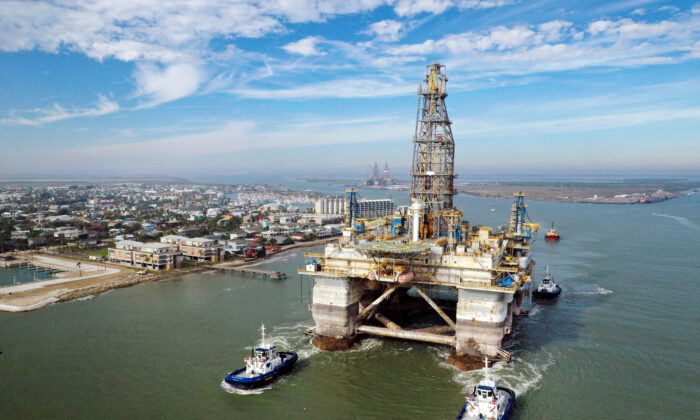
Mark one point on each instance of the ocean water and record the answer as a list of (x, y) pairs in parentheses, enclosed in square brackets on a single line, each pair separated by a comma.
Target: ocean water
[(622, 342)]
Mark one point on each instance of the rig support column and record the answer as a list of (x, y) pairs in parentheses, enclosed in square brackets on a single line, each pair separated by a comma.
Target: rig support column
[(335, 306), (481, 321)]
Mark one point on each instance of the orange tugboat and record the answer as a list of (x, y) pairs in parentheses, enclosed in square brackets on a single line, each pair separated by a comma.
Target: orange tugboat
[(552, 235)]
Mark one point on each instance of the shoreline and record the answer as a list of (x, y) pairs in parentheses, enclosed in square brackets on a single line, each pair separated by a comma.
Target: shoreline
[(624, 191), (32, 296)]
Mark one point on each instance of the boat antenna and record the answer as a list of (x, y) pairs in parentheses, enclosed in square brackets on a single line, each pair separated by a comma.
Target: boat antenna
[(486, 368), (262, 328)]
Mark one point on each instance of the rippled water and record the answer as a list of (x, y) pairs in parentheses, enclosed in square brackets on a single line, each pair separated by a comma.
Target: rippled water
[(17, 275), (621, 342)]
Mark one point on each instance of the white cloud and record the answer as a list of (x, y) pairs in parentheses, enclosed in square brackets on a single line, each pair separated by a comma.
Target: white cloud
[(414, 7), (627, 28), (306, 47), (386, 30), (672, 9), (695, 50), (340, 88), (639, 12), (494, 128), (499, 38), (159, 85), (558, 45), (57, 112), (554, 30)]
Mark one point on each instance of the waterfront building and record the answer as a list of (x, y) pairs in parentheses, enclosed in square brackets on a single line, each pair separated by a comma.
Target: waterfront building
[(152, 255), (199, 249)]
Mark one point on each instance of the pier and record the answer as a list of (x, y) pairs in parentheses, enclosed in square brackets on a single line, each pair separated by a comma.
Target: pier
[(254, 272)]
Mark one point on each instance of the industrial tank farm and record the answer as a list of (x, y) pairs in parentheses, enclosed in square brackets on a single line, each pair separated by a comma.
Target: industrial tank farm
[(424, 273)]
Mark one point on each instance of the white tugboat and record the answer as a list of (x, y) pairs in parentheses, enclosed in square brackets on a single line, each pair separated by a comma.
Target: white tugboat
[(264, 364), (548, 289), (488, 400)]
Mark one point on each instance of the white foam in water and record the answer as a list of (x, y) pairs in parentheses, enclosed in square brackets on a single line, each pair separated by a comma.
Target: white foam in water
[(519, 375), (91, 297), (233, 390), (533, 311), (598, 291), (682, 220), (278, 258), (367, 344), (292, 338)]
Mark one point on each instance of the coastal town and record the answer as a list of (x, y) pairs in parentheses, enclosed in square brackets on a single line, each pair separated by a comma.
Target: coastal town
[(217, 221), (131, 231)]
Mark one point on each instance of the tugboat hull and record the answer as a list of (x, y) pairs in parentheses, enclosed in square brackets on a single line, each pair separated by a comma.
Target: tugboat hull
[(462, 414), (547, 295), (237, 380)]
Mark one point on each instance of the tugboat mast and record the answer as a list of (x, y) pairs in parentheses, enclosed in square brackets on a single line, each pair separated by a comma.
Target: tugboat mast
[(486, 368), (262, 328)]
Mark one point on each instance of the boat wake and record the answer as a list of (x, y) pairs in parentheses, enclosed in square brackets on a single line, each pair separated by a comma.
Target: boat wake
[(292, 337), (598, 291), (518, 375), (284, 257), (233, 390), (682, 220), (533, 311)]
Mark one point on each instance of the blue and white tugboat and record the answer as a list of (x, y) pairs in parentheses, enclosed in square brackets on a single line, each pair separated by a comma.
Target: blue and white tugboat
[(548, 289), (488, 401), (263, 365)]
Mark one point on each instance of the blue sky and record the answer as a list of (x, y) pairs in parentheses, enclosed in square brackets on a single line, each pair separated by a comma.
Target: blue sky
[(231, 87)]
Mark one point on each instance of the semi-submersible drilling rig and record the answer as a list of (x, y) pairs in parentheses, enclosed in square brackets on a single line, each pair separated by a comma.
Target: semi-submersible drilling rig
[(424, 273)]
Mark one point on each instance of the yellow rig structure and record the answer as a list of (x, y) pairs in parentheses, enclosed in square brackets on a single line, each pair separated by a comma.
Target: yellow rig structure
[(424, 273)]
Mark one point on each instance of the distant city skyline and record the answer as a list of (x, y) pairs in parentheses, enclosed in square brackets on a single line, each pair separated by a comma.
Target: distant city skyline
[(229, 88)]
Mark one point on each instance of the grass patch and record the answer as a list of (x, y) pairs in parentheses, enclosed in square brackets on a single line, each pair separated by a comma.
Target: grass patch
[(188, 263), (98, 252)]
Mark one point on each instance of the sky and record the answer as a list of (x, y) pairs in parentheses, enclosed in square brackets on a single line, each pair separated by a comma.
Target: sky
[(325, 88)]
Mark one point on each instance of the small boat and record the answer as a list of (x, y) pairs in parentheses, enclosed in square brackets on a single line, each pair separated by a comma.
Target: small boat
[(262, 367), (488, 400), (493, 210), (548, 289), (552, 235)]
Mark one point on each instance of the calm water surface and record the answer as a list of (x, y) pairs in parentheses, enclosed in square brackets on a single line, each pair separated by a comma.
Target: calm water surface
[(621, 342), (17, 275)]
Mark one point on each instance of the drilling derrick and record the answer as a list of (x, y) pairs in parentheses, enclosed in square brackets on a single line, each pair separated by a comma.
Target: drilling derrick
[(432, 171)]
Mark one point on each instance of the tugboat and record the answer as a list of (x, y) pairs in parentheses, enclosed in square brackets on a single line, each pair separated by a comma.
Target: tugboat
[(264, 365), (488, 400), (552, 235), (548, 289)]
